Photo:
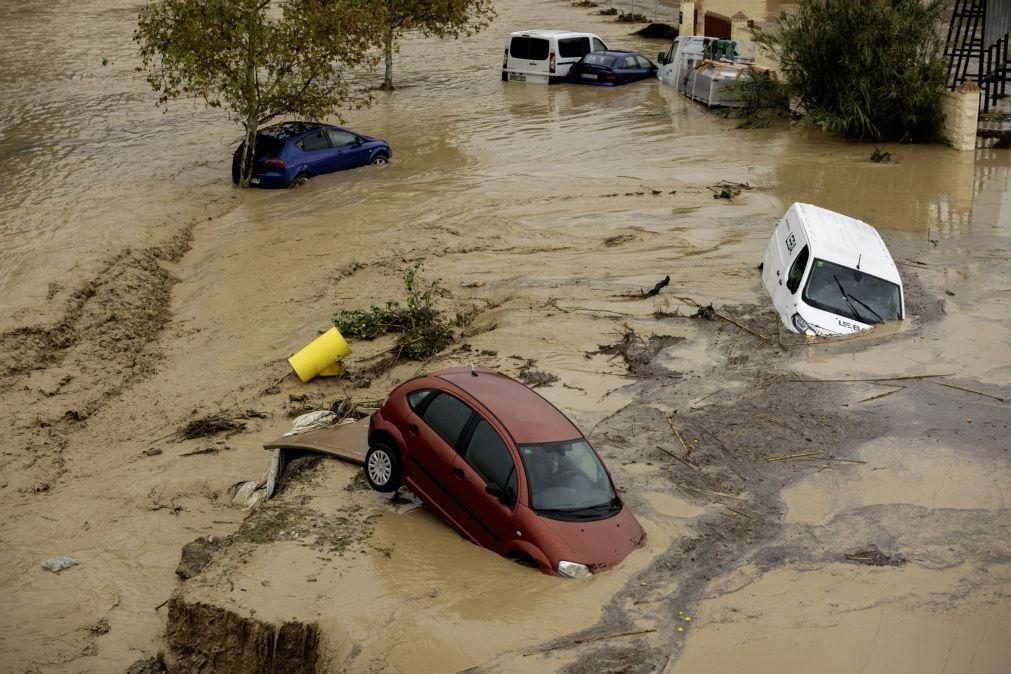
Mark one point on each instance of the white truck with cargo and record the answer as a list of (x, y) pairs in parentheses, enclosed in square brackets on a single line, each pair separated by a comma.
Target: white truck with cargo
[(545, 56), (829, 274)]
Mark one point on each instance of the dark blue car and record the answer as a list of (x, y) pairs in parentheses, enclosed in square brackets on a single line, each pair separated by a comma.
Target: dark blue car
[(293, 152), (611, 67)]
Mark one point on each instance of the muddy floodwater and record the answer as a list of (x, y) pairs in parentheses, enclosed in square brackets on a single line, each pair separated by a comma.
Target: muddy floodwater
[(140, 290)]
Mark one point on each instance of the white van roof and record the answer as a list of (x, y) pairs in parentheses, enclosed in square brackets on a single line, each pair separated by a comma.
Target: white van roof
[(844, 240), (551, 33)]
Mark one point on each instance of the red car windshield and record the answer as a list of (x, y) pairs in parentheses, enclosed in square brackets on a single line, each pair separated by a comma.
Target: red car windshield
[(567, 478)]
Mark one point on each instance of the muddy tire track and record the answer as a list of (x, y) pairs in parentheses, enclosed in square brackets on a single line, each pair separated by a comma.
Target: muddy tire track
[(55, 377)]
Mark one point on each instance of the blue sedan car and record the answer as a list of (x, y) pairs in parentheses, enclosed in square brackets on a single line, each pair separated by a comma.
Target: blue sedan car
[(291, 153), (611, 67)]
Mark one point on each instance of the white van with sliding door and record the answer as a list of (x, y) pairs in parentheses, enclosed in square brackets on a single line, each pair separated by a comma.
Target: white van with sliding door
[(545, 56), (829, 274)]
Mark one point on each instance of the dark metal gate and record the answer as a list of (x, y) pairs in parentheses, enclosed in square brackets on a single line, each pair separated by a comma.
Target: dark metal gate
[(977, 47), (717, 25)]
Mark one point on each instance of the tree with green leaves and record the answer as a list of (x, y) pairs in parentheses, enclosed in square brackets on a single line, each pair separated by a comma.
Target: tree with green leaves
[(865, 69), (257, 59), (438, 18)]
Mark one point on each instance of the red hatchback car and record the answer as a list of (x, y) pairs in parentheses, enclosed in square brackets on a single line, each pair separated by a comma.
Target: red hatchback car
[(505, 468)]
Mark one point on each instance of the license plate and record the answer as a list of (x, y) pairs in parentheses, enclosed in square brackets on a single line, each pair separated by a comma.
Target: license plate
[(517, 77), (588, 76), (254, 181)]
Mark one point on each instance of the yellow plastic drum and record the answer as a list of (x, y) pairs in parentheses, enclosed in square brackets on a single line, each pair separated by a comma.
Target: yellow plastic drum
[(320, 356)]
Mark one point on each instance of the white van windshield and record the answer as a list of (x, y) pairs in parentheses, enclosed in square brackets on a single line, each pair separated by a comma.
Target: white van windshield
[(852, 293)]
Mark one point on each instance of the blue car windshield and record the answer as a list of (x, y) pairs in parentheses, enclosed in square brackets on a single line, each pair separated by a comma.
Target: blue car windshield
[(852, 293), (567, 476), (599, 60)]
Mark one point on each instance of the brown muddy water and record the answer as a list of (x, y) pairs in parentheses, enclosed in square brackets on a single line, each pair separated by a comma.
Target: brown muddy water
[(139, 289)]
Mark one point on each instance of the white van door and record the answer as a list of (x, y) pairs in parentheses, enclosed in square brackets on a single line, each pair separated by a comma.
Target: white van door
[(667, 71), (528, 58), (790, 258), (571, 49)]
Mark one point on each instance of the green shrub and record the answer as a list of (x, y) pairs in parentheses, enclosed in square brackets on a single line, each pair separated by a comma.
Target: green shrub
[(423, 332), (866, 69)]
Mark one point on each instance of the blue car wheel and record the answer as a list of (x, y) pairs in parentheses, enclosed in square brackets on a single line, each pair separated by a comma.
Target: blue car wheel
[(300, 179)]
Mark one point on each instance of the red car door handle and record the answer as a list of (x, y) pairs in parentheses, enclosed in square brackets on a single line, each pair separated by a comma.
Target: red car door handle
[(458, 472), (414, 429)]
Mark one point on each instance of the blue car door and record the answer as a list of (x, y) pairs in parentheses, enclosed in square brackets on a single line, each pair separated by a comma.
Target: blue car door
[(350, 153), (317, 153)]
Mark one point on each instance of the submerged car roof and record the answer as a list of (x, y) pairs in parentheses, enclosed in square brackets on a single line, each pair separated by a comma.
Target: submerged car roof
[(551, 33), (844, 240), (286, 130), (529, 418)]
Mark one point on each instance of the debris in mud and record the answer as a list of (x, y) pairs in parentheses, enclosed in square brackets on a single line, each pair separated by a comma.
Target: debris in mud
[(212, 424), (153, 451), (874, 557), (152, 665), (585, 3), (880, 157), (706, 313), (195, 556), (658, 31), (99, 628), (532, 377), (40, 488), (297, 469), (618, 239), (271, 390), (59, 563), (636, 351), (727, 190), (655, 290)]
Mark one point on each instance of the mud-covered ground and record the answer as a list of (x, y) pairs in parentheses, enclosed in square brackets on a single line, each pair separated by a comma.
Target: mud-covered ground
[(143, 297)]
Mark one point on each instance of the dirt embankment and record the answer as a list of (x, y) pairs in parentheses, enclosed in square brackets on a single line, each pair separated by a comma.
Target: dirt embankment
[(54, 377), (202, 637)]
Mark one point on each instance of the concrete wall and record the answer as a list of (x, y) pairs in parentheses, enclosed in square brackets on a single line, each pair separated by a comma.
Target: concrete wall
[(961, 112)]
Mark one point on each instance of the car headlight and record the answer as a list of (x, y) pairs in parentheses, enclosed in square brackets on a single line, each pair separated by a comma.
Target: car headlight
[(802, 326), (573, 569)]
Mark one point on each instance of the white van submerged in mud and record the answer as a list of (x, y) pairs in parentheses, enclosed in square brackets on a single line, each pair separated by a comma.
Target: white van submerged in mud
[(545, 56), (829, 274)]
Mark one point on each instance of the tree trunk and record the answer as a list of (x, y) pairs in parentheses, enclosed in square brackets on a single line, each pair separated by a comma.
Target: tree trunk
[(388, 55), (246, 167)]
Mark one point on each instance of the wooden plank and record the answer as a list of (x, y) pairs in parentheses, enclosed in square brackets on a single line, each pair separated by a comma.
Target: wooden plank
[(347, 441)]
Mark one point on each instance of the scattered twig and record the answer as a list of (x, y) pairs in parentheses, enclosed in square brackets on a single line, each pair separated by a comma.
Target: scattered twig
[(792, 456), (196, 452), (577, 642), (670, 422), (161, 604), (715, 493), (726, 318), (676, 457), (554, 303), (969, 390), (773, 421), (881, 395), (873, 379)]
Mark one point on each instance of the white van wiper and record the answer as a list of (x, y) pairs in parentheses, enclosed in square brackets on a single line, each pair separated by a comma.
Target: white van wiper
[(848, 303), (857, 299)]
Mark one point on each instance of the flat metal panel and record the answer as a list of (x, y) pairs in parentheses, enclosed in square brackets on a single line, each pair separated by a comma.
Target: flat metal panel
[(998, 21)]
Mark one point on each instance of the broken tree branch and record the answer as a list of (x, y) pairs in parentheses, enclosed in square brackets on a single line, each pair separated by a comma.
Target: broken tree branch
[(792, 456), (728, 319), (969, 390)]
